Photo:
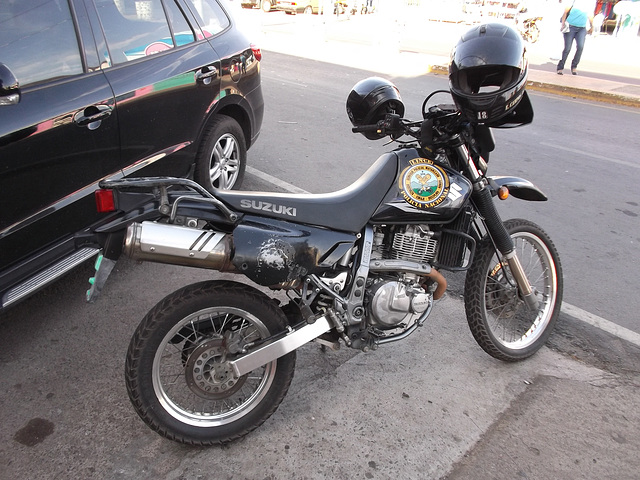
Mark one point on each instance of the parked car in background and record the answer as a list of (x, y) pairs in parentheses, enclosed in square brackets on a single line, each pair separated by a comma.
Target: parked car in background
[(265, 5), (293, 7), (101, 89)]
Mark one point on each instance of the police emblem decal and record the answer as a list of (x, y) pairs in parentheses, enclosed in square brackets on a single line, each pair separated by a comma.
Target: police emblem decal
[(423, 184)]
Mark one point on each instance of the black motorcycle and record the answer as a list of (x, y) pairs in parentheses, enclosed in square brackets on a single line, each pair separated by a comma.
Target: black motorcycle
[(360, 267)]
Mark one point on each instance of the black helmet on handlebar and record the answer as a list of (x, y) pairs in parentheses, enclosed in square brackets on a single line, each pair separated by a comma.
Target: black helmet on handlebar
[(488, 74), (370, 100)]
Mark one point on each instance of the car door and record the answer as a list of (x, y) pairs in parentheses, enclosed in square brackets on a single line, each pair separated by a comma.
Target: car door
[(59, 135), (165, 76)]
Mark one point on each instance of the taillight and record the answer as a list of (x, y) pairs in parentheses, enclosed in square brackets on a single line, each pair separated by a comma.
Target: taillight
[(256, 52), (105, 201)]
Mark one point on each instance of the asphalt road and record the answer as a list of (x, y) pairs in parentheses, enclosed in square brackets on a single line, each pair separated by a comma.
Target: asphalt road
[(430, 407), (582, 154)]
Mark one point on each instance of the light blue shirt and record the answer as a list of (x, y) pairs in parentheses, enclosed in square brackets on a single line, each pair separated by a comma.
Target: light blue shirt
[(580, 13)]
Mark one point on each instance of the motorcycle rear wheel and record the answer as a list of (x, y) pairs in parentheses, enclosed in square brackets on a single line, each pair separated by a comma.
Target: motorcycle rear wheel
[(177, 372), (499, 320)]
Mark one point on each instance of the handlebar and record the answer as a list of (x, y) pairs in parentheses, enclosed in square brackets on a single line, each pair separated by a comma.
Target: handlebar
[(365, 128), (438, 121)]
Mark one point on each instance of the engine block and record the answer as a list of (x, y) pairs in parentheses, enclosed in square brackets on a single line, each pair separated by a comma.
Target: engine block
[(415, 243)]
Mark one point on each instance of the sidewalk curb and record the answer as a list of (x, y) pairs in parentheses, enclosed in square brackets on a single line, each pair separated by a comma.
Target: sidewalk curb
[(584, 94), (574, 92)]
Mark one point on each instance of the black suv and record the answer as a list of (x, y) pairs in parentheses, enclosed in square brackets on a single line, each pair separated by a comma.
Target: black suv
[(101, 89)]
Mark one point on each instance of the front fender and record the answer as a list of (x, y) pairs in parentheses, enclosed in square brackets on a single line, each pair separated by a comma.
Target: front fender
[(520, 188)]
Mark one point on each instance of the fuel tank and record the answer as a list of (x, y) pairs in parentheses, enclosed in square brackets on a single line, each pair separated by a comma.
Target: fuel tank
[(425, 191)]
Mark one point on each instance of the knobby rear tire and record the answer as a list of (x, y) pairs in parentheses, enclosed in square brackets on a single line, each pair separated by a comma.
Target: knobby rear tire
[(176, 370), (498, 318)]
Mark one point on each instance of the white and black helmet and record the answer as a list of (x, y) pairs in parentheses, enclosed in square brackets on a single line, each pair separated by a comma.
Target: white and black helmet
[(488, 73)]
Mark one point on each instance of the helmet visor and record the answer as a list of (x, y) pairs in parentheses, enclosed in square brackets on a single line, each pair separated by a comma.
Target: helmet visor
[(485, 79)]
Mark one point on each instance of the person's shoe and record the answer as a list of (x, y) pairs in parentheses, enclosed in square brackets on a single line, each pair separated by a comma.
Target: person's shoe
[(559, 72), (573, 71)]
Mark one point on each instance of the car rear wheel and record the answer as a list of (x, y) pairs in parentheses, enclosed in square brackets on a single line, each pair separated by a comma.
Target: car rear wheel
[(266, 5), (222, 157)]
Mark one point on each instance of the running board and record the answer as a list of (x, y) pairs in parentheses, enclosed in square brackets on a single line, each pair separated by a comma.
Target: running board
[(47, 276), (278, 348)]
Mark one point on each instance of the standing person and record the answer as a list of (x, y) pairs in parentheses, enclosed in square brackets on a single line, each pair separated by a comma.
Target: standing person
[(574, 27)]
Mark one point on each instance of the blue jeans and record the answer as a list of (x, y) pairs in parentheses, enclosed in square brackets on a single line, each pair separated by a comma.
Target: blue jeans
[(578, 34)]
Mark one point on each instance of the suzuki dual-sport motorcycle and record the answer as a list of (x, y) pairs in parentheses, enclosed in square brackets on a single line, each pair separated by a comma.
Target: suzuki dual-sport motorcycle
[(360, 267)]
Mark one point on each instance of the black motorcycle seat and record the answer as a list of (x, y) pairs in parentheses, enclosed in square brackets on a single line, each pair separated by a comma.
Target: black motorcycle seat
[(348, 209)]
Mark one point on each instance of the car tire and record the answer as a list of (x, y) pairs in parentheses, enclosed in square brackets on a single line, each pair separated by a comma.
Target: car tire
[(266, 5), (222, 156)]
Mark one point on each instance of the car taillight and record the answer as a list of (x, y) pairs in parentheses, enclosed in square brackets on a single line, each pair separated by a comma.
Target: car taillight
[(256, 52), (105, 201)]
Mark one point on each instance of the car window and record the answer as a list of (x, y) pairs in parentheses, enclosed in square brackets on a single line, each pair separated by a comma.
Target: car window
[(182, 32), (136, 29), (210, 15), (38, 40)]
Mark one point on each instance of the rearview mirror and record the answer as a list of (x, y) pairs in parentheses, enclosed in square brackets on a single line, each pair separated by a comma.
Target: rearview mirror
[(9, 87)]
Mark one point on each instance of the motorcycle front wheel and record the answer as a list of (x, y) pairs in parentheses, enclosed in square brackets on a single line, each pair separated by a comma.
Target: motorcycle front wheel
[(177, 368), (499, 319)]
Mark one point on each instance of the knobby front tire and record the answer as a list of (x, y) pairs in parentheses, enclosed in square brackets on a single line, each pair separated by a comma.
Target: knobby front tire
[(177, 372), (499, 320)]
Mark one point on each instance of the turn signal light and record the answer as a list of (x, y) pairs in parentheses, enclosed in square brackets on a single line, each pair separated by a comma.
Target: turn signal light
[(503, 193), (105, 201)]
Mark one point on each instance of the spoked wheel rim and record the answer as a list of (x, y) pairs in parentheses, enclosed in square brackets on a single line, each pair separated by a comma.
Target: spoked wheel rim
[(225, 162), (192, 378), (508, 317)]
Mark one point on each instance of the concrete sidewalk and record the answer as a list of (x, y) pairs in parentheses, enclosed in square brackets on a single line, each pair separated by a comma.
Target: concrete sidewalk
[(432, 406), (586, 87), (609, 70)]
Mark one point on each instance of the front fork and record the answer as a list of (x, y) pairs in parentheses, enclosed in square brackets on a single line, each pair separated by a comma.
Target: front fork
[(528, 295), (484, 203)]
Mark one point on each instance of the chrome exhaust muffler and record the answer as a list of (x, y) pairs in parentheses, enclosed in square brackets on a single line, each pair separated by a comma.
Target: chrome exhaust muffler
[(176, 245)]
